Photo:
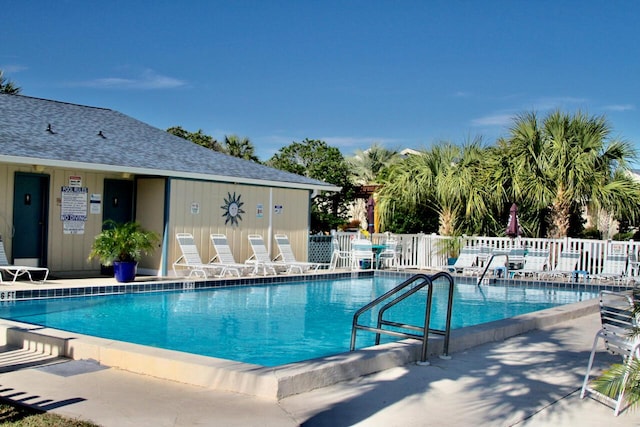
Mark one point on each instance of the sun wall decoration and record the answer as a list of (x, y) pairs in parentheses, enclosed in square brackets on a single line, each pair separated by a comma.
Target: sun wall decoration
[(232, 209)]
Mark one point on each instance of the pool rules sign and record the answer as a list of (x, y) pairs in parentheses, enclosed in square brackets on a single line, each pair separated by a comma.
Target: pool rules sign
[(73, 209)]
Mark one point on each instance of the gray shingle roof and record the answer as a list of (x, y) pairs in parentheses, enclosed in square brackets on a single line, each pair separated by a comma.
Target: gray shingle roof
[(128, 144)]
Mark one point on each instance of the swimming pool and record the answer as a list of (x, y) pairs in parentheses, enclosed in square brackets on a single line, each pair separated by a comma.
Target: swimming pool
[(269, 325)]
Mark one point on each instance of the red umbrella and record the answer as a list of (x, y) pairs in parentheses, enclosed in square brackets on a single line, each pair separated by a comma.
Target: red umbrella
[(513, 228)]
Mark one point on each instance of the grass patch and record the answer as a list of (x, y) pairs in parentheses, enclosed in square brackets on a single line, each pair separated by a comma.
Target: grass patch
[(12, 415)]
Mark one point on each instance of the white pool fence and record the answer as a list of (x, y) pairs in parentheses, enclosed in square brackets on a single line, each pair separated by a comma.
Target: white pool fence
[(422, 251)]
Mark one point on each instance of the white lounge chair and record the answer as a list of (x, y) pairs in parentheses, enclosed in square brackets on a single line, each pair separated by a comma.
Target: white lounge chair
[(614, 268), (225, 259), (566, 266), (190, 258), (286, 255), (497, 262), (468, 257), (16, 271), (616, 314), (362, 254), (261, 259), (535, 263)]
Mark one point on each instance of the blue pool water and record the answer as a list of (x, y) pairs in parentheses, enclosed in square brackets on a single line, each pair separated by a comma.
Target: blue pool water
[(271, 324)]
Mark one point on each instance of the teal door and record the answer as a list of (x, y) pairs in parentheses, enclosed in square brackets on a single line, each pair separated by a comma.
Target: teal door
[(118, 200), (118, 206), (30, 213)]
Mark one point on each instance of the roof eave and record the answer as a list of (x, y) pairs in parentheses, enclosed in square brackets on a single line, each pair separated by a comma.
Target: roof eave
[(166, 173)]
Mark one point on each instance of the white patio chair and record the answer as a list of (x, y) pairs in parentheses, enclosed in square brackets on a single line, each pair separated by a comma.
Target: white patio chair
[(616, 315), (16, 271), (362, 254), (286, 255), (338, 255), (190, 258), (389, 256), (225, 259)]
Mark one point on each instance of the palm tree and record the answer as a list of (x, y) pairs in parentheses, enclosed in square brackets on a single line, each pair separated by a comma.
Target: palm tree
[(568, 164), (367, 164), (448, 180), (240, 147), (7, 86)]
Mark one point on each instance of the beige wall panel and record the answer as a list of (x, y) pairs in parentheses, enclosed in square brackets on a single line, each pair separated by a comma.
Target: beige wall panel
[(210, 217), (150, 214), (69, 252), (292, 221)]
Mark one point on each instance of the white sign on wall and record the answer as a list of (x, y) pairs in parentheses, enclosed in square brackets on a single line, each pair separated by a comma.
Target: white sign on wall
[(95, 201), (73, 209)]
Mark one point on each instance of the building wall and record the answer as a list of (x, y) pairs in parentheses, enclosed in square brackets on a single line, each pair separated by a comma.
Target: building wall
[(196, 208), (65, 252), (150, 202)]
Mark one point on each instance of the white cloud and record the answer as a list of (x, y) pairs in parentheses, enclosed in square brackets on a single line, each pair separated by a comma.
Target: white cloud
[(147, 79), (12, 68), (620, 107), (560, 102), (493, 120), (461, 94)]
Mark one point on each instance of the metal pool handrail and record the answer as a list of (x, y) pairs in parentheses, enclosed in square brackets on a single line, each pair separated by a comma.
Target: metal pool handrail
[(419, 281)]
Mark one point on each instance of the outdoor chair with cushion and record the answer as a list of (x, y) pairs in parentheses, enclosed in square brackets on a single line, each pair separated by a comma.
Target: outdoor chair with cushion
[(16, 271)]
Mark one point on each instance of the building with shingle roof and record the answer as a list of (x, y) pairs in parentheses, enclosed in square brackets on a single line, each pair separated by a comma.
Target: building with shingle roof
[(65, 168)]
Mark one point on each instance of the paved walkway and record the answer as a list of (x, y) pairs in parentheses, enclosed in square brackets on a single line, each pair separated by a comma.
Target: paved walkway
[(529, 380)]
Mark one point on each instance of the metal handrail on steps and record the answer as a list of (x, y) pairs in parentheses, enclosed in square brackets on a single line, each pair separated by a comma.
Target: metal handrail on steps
[(401, 292)]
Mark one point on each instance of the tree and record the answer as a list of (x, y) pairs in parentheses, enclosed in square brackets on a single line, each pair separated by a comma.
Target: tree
[(567, 164), (198, 137), (7, 86), (315, 159), (240, 147), (365, 166), (447, 181)]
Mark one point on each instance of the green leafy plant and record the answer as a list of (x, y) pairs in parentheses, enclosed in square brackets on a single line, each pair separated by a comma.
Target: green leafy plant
[(122, 242), (450, 246)]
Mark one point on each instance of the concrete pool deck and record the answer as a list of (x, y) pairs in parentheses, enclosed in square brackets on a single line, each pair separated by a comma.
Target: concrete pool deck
[(530, 379)]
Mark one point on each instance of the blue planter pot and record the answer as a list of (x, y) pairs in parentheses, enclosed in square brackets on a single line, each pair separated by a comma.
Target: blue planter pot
[(124, 271)]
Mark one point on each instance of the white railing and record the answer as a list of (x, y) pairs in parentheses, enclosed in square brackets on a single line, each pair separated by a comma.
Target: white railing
[(423, 251)]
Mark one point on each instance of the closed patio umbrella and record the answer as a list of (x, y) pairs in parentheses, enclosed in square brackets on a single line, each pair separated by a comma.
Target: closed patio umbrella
[(513, 227)]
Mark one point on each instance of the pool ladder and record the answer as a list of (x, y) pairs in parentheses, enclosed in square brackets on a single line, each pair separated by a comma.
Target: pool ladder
[(401, 292)]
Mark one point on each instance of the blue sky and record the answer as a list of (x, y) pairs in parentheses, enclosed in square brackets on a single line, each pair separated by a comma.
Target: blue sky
[(352, 73)]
